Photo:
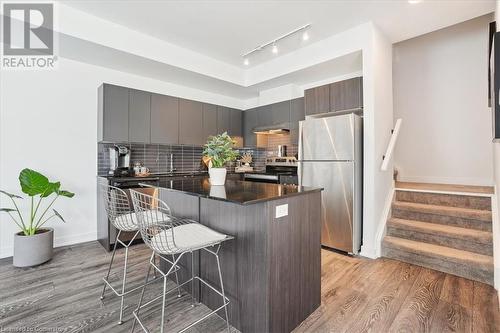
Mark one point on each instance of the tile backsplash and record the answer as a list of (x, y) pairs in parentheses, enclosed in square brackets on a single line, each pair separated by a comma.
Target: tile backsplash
[(273, 141), (158, 158)]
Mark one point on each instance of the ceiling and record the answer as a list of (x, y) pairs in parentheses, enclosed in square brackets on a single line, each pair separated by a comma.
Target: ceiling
[(223, 30)]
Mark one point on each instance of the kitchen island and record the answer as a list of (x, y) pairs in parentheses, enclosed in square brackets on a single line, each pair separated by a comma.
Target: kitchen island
[(272, 267)]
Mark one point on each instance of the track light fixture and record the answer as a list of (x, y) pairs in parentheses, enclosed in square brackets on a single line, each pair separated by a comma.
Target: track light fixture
[(273, 43)]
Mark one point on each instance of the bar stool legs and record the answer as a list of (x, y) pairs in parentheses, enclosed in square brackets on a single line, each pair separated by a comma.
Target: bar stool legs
[(174, 268), (122, 292)]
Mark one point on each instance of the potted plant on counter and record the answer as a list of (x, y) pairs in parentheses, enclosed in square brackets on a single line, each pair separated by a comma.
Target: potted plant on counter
[(33, 245), (219, 150)]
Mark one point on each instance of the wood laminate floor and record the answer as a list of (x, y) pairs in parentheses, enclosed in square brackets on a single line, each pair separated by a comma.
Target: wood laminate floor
[(358, 295)]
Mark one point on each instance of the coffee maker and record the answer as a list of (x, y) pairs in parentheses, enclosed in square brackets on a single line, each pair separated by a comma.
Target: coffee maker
[(119, 158)]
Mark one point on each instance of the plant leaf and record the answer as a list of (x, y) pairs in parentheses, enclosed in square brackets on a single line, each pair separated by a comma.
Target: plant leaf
[(8, 210), (65, 193), (32, 182), (51, 188), (58, 215), (11, 195)]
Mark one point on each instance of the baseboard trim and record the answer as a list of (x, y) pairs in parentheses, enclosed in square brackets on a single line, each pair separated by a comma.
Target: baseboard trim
[(6, 252)]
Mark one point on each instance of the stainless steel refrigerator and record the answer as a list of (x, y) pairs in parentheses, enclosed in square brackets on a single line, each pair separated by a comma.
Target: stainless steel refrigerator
[(331, 156)]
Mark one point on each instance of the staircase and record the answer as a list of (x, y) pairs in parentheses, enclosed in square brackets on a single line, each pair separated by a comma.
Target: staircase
[(442, 227)]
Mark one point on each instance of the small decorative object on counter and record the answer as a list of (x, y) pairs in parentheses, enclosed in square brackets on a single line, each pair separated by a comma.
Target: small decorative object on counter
[(246, 158), (219, 149), (33, 245)]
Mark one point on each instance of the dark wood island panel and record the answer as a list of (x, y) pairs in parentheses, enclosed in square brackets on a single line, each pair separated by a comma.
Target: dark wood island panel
[(272, 269)]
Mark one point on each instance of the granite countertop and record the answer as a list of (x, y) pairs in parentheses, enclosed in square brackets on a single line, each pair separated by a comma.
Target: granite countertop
[(240, 192)]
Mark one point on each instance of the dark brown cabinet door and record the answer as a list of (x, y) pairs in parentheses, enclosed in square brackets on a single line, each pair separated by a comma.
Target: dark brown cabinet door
[(347, 94), (223, 119), (236, 123), (139, 116), (317, 100), (190, 122), (164, 119), (280, 113), (297, 113), (265, 115), (209, 120), (113, 114), (250, 121)]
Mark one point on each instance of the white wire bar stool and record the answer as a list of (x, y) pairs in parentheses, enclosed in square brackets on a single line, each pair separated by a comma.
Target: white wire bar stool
[(176, 237), (122, 216)]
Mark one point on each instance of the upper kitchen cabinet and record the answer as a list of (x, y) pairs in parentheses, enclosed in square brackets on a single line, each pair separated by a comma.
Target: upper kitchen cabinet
[(191, 123), (113, 106), (250, 121), (297, 113), (280, 113), (317, 100), (223, 119), (346, 95), (209, 120), (265, 116), (139, 116), (164, 119), (236, 123)]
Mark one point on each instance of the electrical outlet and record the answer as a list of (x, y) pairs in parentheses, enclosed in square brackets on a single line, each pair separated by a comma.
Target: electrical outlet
[(281, 210)]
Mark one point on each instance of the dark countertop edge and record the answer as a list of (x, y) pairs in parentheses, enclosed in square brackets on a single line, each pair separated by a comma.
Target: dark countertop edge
[(246, 203)]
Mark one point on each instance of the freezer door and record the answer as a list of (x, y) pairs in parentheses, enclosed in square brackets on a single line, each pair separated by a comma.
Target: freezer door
[(337, 179), (330, 138)]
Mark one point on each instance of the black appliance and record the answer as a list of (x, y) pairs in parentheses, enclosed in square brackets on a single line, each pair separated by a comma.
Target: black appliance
[(279, 170)]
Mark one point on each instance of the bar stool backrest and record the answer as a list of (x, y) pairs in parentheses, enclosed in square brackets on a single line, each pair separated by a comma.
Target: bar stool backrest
[(156, 222), (118, 208)]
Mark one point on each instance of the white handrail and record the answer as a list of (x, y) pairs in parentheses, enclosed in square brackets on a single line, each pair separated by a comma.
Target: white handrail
[(392, 143)]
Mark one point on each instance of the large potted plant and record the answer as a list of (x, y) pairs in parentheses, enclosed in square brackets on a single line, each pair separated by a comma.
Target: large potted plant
[(219, 150), (33, 245)]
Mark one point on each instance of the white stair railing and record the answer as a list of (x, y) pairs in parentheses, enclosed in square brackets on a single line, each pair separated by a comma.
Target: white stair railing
[(392, 143)]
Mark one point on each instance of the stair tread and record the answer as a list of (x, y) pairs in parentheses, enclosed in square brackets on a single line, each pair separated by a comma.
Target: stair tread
[(434, 250), (481, 236), (445, 187), (483, 215)]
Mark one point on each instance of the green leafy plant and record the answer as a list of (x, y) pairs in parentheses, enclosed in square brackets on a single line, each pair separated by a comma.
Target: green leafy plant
[(220, 150), (34, 184)]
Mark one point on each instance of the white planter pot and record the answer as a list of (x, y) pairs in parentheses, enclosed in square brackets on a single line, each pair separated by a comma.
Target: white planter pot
[(33, 250), (218, 191), (217, 176)]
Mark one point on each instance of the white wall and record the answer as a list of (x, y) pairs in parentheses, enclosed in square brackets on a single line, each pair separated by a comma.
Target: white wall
[(378, 121), (48, 122), (441, 92)]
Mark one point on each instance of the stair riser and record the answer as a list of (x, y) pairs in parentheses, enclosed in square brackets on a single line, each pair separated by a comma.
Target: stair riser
[(441, 219), (470, 245), (450, 200), (464, 270)]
